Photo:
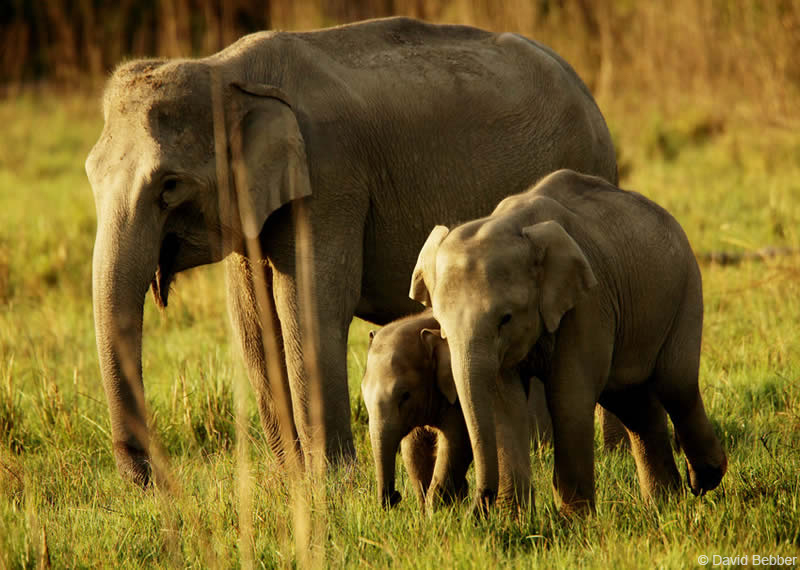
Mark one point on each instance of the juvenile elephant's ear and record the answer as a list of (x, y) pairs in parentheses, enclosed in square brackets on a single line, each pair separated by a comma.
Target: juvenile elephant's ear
[(422, 279), (439, 354), (268, 153), (565, 272)]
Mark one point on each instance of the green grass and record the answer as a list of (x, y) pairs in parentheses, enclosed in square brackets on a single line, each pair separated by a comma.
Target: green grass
[(733, 186)]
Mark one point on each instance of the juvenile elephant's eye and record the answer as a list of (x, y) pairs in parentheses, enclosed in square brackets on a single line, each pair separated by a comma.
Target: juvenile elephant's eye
[(404, 397), (170, 184), (505, 319)]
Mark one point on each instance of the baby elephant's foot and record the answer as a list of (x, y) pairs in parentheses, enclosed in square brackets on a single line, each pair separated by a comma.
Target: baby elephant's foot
[(390, 499), (484, 501), (447, 493)]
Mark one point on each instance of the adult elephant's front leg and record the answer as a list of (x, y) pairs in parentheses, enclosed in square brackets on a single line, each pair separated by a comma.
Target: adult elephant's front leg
[(248, 307), (316, 357)]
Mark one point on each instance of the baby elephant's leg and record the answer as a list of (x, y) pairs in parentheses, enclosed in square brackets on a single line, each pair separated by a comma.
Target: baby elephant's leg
[(418, 450), (453, 457)]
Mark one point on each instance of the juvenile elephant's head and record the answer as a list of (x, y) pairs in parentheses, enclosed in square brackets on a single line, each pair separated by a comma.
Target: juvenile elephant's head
[(188, 165), (495, 286), (407, 383)]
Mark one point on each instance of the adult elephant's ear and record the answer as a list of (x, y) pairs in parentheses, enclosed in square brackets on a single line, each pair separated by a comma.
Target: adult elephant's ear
[(565, 273), (422, 279), (268, 153)]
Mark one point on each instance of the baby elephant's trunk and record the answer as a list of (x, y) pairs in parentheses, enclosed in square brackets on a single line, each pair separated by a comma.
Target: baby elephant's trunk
[(385, 444)]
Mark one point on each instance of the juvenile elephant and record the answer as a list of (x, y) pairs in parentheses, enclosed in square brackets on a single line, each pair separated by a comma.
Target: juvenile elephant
[(412, 403), (367, 135), (598, 291)]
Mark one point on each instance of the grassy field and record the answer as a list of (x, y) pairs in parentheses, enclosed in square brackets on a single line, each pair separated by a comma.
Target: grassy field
[(733, 183)]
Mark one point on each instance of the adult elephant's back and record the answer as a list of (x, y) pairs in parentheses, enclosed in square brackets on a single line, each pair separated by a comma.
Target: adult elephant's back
[(435, 125)]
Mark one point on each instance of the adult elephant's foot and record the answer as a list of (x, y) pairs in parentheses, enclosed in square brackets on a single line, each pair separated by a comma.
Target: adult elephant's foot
[(577, 507), (133, 463), (340, 452)]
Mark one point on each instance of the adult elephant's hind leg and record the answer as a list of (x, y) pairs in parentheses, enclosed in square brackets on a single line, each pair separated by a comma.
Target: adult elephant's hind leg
[(243, 307), (644, 418)]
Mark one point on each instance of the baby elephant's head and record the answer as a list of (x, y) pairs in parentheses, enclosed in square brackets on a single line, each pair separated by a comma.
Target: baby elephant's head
[(407, 384)]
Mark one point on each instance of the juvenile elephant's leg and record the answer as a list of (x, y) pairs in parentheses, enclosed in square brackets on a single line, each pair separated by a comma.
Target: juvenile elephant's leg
[(418, 450), (453, 457), (644, 417), (513, 445), (614, 434), (676, 384), (244, 312), (541, 424), (580, 368), (573, 451), (705, 459)]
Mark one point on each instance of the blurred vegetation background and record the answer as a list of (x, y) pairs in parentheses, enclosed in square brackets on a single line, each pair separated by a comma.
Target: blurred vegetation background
[(738, 53)]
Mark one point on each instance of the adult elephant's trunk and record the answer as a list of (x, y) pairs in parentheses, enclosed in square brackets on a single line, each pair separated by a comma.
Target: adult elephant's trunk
[(475, 370), (385, 443), (123, 268)]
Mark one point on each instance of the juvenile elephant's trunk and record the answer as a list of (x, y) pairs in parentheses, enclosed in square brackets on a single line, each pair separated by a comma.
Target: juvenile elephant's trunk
[(385, 444), (123, 268), (475, 371)]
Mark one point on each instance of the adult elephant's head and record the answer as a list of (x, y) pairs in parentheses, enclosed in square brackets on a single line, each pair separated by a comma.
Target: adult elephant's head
[(189, 164), (495, 286)]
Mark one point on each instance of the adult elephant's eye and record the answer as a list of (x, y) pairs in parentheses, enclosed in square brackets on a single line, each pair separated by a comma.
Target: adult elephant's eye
[(505, 319), (169, 191)]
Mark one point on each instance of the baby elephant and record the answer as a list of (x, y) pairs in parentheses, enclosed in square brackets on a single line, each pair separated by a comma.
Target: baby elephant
[(598, 292), (412, 404)]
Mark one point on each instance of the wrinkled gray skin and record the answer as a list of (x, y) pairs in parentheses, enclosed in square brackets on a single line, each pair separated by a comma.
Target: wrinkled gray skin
[(379, 130), (597, 290), (412, 403)]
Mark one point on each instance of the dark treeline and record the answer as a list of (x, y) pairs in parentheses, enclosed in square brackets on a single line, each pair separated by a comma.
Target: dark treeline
[(67, 39), (735, 49)]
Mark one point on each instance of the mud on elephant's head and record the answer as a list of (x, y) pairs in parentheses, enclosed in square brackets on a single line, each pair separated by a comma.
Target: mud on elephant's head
[(168, 199)]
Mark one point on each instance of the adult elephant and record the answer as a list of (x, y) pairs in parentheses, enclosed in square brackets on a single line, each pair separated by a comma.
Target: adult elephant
[(377, 130)]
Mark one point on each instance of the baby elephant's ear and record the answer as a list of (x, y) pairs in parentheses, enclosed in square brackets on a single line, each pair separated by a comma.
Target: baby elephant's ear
[(422, 280), (566, 275), (439, 354), (371, 337)]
